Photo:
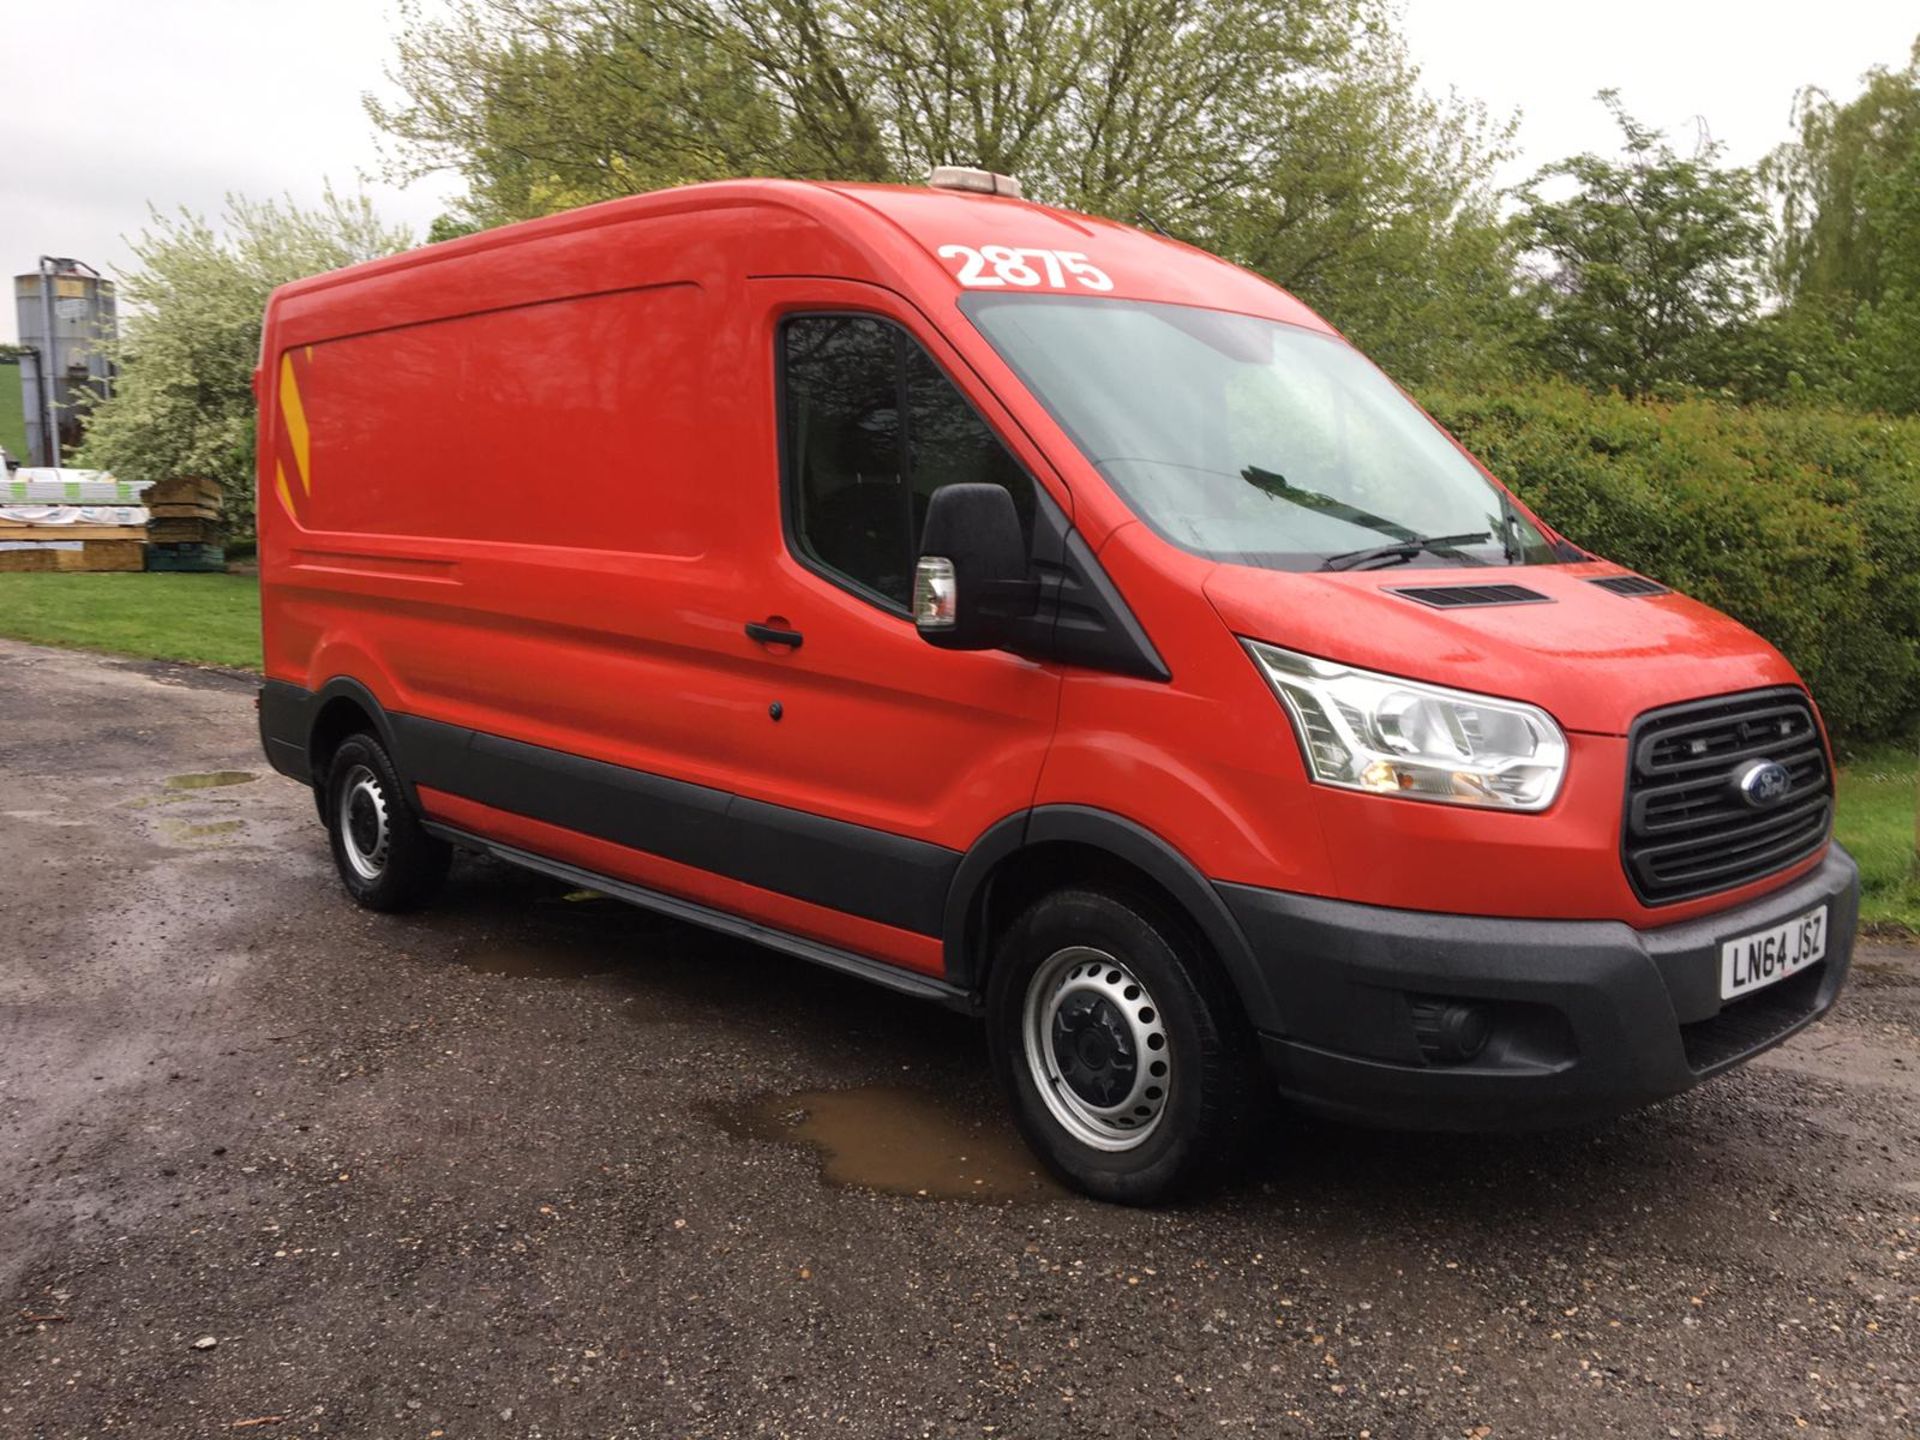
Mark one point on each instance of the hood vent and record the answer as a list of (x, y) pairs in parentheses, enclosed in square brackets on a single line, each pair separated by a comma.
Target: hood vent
[(1454, 597), (1632, 586)]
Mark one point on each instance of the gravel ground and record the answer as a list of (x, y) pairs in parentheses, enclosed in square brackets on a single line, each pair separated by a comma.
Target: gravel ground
[(536, 1166)]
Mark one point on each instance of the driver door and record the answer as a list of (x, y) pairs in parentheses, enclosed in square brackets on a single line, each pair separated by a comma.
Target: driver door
[(875, 759)]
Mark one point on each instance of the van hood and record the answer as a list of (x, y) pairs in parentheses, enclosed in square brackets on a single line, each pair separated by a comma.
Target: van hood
[(1592, 659)]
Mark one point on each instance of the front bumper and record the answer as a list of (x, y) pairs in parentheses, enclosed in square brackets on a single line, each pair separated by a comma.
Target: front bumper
[(1589, 1018)]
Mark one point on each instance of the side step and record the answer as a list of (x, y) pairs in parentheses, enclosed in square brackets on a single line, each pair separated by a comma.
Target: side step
[(921, 987)]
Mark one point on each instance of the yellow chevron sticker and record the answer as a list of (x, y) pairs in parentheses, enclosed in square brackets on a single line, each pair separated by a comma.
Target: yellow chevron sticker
[(280, 485), (295, 414)]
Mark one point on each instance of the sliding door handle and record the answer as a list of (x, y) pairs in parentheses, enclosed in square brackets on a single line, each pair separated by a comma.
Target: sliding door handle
[(773, 634)]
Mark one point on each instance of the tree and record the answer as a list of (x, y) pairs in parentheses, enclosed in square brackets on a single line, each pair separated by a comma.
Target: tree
[(1848, 255), (1647, 276), (1833, 180), (1887, 372), (190, 335), (1292, 137)]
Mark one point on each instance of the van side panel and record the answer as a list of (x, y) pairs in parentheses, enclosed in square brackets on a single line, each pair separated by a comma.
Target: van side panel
[(531, 426), (509, 521), (526, 523)]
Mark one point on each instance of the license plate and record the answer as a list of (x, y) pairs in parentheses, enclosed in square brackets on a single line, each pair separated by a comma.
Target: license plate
[(1755, 961)]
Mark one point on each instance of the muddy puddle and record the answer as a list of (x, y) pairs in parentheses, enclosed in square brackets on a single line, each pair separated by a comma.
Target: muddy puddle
[(209, 780), (900, 1142)]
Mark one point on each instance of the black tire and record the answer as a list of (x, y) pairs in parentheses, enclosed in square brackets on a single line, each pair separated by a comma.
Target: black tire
[(363, 801), (1047, 973)]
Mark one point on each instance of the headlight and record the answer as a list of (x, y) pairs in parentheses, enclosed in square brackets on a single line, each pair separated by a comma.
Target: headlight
[(1363, 731)]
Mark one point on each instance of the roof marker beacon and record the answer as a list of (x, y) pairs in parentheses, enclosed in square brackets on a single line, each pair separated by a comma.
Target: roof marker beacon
[(1039, 617)]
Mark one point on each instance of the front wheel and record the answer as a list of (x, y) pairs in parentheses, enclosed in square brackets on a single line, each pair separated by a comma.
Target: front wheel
[(1125, 1055), (386, 861)]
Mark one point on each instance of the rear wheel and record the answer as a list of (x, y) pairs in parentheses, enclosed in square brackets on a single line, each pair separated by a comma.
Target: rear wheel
[(1125, 1056), (386, 861)]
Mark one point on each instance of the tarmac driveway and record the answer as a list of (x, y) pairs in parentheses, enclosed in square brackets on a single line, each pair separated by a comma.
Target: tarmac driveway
[(531, 1165)]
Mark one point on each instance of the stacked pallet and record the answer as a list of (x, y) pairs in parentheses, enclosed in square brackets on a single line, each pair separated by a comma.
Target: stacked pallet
[(185, 532), (60, 519)]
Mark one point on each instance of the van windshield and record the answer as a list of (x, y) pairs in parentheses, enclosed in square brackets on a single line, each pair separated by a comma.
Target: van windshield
[(1253, 442)]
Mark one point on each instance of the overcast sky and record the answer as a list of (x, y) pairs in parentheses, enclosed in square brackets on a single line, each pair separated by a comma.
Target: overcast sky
[(1675, 62), (120, 104)]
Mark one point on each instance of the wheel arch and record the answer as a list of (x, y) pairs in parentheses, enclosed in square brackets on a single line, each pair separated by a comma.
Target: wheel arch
[(342, 709), (1025, 855), (302, 728)]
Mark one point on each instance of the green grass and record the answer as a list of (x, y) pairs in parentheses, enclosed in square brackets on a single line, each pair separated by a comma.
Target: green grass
[(202, 619), (1876, 822), (13, 415)]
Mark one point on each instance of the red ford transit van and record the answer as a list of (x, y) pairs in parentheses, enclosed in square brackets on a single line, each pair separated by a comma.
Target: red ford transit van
[(1041, 617)]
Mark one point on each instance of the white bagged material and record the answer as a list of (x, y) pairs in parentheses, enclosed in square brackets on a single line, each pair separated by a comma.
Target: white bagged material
[(57, 515)]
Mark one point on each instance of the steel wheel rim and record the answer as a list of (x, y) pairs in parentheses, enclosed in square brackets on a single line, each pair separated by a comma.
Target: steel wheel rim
[(366, 832), (1096, 1049)]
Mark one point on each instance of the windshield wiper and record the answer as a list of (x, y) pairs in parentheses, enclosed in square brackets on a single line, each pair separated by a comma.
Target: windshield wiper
[(1401, 550), (1277, 486)]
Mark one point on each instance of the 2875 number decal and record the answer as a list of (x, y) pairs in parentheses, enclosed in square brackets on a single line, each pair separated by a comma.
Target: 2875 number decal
[(1004, 265)]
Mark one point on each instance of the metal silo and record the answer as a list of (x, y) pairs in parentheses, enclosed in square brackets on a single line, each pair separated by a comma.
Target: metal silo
[(66, 315)]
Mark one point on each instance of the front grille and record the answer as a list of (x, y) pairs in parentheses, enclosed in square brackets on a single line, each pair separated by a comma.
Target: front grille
[(1688, 829), (1452, 597)]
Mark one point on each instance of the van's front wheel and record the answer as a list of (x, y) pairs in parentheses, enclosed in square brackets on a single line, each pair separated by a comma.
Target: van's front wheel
[(1122, 1051), (386, 861)]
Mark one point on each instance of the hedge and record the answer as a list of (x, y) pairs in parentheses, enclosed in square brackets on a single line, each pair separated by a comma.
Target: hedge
[(1802, 523)]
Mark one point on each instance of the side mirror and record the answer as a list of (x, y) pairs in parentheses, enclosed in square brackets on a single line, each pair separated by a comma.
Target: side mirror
[(971, 584)]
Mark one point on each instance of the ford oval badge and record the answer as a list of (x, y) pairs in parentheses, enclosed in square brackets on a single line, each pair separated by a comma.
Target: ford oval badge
[(1763, 783)]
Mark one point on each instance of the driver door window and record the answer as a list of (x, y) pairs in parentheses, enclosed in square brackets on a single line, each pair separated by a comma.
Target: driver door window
[(872, 428)]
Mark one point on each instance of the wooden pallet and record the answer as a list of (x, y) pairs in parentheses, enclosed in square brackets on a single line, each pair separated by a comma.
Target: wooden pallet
[(183, 490), (183, 532), (93, 555)]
